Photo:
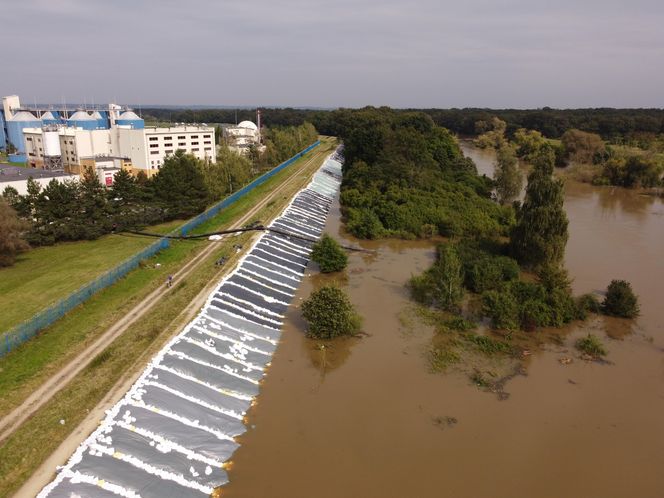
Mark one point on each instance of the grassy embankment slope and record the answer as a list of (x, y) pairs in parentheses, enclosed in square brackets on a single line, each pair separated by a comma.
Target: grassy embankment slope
[(44, 275), (22, 370)]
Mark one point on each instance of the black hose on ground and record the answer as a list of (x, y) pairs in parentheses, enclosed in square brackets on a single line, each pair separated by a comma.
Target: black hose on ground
[(259, 228)]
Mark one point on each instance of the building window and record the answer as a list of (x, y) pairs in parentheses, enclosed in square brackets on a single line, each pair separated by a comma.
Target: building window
[(208, 148), (207, 136), (194, 150), (153, 146), (180, 144), (194, 136), (168, 138), (152, 139), (207, 142), (154, 152), (29, 139), (169, 152), (168, 144), (194, 143), (182, 137)]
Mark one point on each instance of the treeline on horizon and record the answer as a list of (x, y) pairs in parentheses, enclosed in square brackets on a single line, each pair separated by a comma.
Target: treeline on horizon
[(615, 125)]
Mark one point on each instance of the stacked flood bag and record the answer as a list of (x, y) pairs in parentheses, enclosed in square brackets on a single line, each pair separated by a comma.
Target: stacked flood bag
[(176, 427)]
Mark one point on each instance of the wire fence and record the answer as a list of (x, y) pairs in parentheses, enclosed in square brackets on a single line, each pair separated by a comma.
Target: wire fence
[(29, 328)]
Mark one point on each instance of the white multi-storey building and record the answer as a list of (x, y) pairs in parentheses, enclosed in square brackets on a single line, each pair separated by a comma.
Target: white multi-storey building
[(141, 149), (161, 142)]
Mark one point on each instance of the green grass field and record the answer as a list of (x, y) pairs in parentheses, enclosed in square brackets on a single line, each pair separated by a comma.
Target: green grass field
[(44, 275)]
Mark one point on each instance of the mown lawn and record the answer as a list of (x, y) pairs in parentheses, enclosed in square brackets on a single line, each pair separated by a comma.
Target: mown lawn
[(45, 275)]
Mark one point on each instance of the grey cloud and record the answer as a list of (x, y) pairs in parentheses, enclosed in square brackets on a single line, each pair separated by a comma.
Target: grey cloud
[(496, 53)]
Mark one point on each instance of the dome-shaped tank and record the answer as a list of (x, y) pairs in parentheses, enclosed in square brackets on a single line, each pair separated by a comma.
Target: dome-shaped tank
[(15, 126), (130, 118), (50, 117), (102, 119), (248, 125), (81, 119)]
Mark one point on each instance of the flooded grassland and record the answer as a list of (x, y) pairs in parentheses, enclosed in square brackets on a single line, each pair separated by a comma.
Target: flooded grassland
[(365, 417)]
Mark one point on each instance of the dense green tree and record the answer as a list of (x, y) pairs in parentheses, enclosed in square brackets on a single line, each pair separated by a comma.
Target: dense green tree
[(329, 314), (540, 234), (620, 300), (180, 187), (125, 188), (94, 213), (230, 173), (508, 176), (528, 143), (492, 133), (11, 234), (329, 255), (442, 284)]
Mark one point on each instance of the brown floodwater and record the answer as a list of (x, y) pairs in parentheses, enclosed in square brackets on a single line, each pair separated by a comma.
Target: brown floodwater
[(366, 418)]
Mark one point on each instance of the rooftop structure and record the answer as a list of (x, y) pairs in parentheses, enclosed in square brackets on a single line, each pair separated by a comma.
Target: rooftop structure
[(241, 137)]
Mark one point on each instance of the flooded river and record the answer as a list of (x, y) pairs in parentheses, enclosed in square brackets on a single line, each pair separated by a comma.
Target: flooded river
[(365, 417)]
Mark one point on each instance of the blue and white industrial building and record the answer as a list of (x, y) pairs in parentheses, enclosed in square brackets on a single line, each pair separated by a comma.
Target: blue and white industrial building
[(57, 138)]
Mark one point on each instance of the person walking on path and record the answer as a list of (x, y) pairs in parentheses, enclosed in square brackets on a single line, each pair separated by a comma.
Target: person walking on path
[(169, 281)]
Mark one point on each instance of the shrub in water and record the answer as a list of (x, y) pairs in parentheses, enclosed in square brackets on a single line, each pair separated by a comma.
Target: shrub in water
[(329, 255), (330, 314), (620, 300), (591, 345)]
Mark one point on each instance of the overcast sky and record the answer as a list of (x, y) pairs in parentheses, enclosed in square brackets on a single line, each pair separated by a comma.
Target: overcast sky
[(329, 53)]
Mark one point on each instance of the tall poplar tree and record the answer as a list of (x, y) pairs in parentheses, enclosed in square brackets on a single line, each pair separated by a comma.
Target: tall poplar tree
[(540, 234), (509, 178)]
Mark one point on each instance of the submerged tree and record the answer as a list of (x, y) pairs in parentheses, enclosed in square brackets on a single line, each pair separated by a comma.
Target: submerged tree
[(540, 234), (330, 313), (620, 300), (442, 284), (329, 255), (509, 178)]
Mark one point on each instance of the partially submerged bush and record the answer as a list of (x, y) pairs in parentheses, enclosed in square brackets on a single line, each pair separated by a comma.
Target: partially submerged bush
[(442, 284), (591, 345), (330, 314), (329, 255), (587, 303), (620, 300), (502, 308)]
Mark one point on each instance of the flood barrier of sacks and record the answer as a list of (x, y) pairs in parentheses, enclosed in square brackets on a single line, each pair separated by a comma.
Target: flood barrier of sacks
[(174, 430)]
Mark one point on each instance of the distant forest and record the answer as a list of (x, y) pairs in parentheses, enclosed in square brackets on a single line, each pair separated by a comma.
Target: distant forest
[(613, 125)]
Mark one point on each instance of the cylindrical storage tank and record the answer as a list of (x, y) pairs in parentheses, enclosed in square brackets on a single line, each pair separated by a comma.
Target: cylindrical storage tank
[(82, 119), (130, 118), (15, 125), (52, 144)]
